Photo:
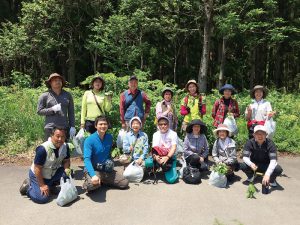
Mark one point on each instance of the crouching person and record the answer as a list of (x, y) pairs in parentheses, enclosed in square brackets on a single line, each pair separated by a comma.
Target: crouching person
[(260, 155), (51, 160), (224, 150), (164, 144), (99, 168)]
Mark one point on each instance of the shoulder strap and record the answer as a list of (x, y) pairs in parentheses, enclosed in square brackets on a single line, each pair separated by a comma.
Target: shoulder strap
[(132, 100), (97, 103)]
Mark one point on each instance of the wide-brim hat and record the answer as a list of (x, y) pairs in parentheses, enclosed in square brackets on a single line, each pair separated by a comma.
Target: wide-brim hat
[(260, 128), (227, 87), (191, 82), (135, 118), (165, 90), (257, 87), (203, 128), (95, 78), (222, 127), (54, 75)]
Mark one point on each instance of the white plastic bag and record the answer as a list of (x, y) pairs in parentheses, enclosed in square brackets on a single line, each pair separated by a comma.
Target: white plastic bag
[(270, 125), (183, 163), (217, 180), (179, 147), (230, 122), (68, 192), (120, 138), (78, 141), (134, 173)]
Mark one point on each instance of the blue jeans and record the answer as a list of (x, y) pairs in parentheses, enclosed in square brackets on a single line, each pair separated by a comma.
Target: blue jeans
[(34, 192)]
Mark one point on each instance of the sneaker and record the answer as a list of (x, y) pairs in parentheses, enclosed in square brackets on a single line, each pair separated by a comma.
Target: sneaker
[(274, 184), (24, 187)]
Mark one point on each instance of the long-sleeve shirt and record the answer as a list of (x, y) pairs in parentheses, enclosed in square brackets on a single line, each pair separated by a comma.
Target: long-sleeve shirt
[(261, 154), (195, 145), (260, 110), (96, 151), (139, 143), (161, 110), (224, 151), (64, 118), (220, 110), (89, 107), (146, 100)]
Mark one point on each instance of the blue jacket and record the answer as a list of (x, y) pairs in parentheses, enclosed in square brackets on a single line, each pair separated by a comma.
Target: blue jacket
[(141, 146), (96, 151), (136, 108)]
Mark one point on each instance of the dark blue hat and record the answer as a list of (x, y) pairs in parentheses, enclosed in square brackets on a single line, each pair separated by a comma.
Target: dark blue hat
[(227, 87)]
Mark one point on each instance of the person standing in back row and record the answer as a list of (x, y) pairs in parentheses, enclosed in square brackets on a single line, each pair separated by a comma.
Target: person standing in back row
[(131, 104), (57, 106)]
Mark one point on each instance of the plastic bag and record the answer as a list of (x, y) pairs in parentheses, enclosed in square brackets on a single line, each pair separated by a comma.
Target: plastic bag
[(68, 192), (78, 141), (183, 163), (133, 173), (217, 180), (121, 135), (230, 122), (179, 147), (270, 125)]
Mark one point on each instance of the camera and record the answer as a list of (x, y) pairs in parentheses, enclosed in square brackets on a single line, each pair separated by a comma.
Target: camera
[(107, 166)]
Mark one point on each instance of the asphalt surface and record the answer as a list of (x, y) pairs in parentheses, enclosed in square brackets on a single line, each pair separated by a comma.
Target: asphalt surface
[(146, 203)]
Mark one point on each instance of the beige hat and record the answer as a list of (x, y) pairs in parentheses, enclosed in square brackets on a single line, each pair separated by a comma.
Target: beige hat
[(222, 127), (53, 75), (260, 128), (257, 87), (191, 82)]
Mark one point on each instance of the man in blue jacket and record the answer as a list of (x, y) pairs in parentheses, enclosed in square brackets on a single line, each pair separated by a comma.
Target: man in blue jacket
[(99, 168)]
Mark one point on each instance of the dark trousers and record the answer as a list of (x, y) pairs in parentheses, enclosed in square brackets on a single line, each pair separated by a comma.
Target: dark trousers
[(262, 168), (34, 192), (89, 126), (194, 161)]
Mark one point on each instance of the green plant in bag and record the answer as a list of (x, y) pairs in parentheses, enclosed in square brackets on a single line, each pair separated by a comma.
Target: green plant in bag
[(221, 168)]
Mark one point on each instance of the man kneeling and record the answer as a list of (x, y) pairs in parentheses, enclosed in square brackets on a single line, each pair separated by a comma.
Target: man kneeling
[(99, 168), (51, 160)]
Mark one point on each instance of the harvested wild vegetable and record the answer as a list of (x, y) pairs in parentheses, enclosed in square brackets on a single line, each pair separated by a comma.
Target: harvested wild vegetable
[(221, 168), (251, 190)]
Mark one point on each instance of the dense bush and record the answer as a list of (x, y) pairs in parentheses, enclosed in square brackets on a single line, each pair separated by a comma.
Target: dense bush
[(22, 129)]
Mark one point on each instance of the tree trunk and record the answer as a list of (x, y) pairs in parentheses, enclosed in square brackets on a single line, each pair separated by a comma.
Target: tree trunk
[(71, 65), (175, 66), (222, 66), (202, 75), (252, 68)]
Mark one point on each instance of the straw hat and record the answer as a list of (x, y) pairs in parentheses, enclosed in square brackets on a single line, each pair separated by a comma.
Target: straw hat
[(222, 127), (257, 87), (191, 82)]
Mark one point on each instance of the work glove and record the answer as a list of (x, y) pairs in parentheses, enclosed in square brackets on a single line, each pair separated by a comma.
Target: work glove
[(56, 108), (72, 132)]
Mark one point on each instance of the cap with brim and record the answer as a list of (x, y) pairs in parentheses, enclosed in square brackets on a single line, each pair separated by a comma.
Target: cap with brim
[(191, 82), (260, 128), (203, 127), (95, 78), (135, 118), (165, 90), (133, 78), (257, 87), (222, 127), (227, 87), (54, 75)]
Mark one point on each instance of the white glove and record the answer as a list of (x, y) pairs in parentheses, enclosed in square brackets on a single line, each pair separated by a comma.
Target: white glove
[(72, 132), (56, 107)]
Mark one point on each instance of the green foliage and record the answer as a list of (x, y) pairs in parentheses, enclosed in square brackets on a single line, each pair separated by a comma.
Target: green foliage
[(251, 190), (221, 168), (21, 80)]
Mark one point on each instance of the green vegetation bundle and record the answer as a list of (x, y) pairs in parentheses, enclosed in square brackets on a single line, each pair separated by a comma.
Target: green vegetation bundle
[(221, 168)]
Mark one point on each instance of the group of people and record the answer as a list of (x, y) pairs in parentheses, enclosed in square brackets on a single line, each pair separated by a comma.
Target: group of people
[(52, 159)]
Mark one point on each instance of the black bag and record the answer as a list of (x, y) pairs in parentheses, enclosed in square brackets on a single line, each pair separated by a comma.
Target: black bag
[(191, 175)]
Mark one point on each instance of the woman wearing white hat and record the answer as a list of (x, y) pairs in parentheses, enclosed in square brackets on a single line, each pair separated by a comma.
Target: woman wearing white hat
[(224, 150)]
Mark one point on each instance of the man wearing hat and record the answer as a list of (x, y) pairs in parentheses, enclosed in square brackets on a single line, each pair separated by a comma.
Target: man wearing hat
[(192, 105), (225, 105), (57, 106), (167, 108), (259, 110), (131, 103), (260, 155)]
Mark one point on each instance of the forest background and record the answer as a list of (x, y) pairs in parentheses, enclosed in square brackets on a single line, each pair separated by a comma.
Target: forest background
[(166, 42)]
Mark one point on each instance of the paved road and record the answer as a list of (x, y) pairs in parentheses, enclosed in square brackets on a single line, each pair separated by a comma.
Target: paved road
[(158, 204)]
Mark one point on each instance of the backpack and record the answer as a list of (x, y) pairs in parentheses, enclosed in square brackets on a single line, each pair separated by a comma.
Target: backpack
[(191, 175)]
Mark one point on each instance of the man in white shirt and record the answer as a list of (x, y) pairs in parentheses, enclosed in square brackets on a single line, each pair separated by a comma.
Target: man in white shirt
[(164, 144)]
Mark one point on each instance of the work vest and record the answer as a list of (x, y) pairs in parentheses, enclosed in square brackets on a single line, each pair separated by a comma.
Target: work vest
[(135, 108), (52, 163)]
